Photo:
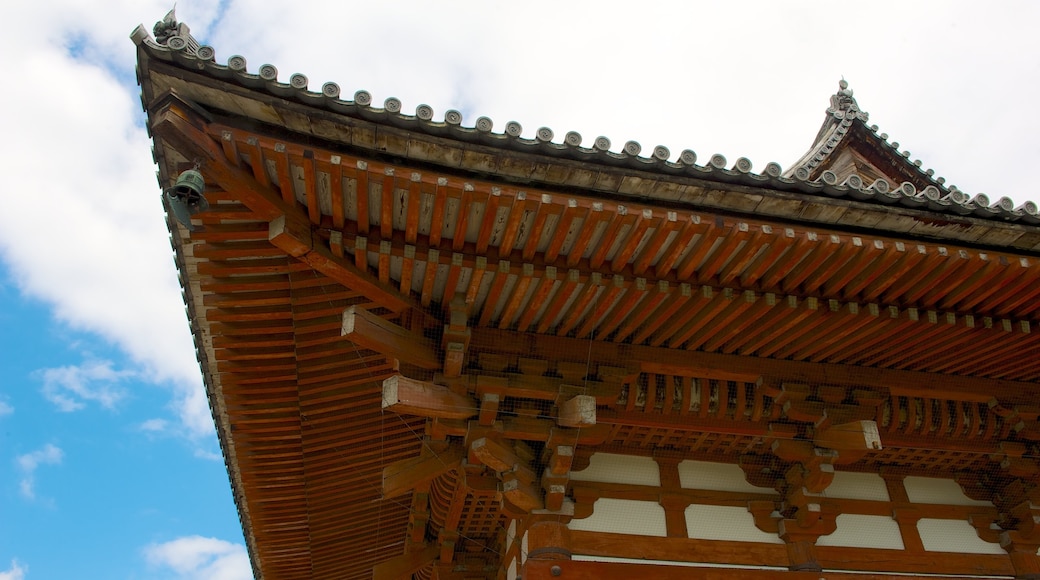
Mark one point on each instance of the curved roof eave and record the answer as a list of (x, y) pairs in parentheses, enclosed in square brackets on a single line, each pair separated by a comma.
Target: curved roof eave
[(176, 46)]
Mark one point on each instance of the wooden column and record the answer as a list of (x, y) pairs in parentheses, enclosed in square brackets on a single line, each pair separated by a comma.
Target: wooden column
[(906, 517), (1022, 551), (548, 542), (674, 503)]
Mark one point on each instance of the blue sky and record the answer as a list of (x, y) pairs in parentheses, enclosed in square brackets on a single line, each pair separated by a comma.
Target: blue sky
[(89, 486), (109, 466)]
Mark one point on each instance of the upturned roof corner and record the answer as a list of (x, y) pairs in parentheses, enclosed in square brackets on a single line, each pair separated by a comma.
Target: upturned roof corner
[(847, 152)]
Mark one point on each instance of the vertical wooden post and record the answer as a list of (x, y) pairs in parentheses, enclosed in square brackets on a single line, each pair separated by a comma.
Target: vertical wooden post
[(1023, 555), (674, 504), (548, 540), (801, 549)]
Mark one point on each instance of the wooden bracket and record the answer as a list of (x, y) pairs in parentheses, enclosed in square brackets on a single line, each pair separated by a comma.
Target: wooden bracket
[(425, 399), (489, 403), (498, 455), (456, 336), (420, 514), (555, 487), (376, 333), (762, 511), (521, 494), (405, 475), (759, 470)]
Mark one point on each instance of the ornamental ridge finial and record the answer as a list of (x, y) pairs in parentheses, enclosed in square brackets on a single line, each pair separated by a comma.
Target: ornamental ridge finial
[(175, 35), (166, 27), (843, 100)]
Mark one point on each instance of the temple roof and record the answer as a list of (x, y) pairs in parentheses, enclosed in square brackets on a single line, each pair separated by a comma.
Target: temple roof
[(346, 245), (849, 160)]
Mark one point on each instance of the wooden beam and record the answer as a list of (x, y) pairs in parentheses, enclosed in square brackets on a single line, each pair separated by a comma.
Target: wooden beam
[(903, 383), (402, 476), (580, 570), (524, 429), (535, 386), (854, 436), (578, 411), (884, 563), (425, 399), (403, 566), (378, 334)]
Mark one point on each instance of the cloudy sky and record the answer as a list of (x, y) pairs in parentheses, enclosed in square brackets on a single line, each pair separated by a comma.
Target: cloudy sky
[(109, 466)]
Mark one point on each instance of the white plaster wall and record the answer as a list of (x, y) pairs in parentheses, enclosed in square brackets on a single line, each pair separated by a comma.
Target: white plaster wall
[(936, 490), (861, 531), (714, 522), (614, 468), (716, 476), (954, 536), (623, 516), (511, 570), (853, 485)]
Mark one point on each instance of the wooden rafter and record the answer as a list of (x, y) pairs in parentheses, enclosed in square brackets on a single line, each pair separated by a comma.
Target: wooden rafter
[(174, 123)]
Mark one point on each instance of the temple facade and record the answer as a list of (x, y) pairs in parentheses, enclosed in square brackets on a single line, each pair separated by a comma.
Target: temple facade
[(437, 349)]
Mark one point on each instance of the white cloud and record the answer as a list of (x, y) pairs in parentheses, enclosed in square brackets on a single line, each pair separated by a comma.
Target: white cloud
[(99, 254), (17, 572), (71, 387), (47, 455), (739, 78), (200, 558), (154, 425), (208, 455), (5, 409)]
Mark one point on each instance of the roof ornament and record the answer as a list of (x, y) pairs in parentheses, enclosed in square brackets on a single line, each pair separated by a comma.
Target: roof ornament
[(843, 99), (175, 35), (166, 27)]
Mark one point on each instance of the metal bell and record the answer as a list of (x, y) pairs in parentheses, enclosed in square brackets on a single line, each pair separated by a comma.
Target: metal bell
[(190, 185), (185, 197)]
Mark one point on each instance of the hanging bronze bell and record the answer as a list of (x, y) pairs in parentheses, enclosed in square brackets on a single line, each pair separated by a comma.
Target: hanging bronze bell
[(185, 197), (190, 185)]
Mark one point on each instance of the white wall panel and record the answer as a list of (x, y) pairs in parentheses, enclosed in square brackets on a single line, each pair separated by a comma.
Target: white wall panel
[(954, 536), (713, 522), (860, 531), (614, 468), (936, 490), (716, 476), (853, 485), (624, 516)]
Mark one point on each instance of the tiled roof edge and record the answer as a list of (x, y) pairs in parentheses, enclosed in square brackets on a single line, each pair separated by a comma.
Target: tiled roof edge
[(183, 50), (843, 113)]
